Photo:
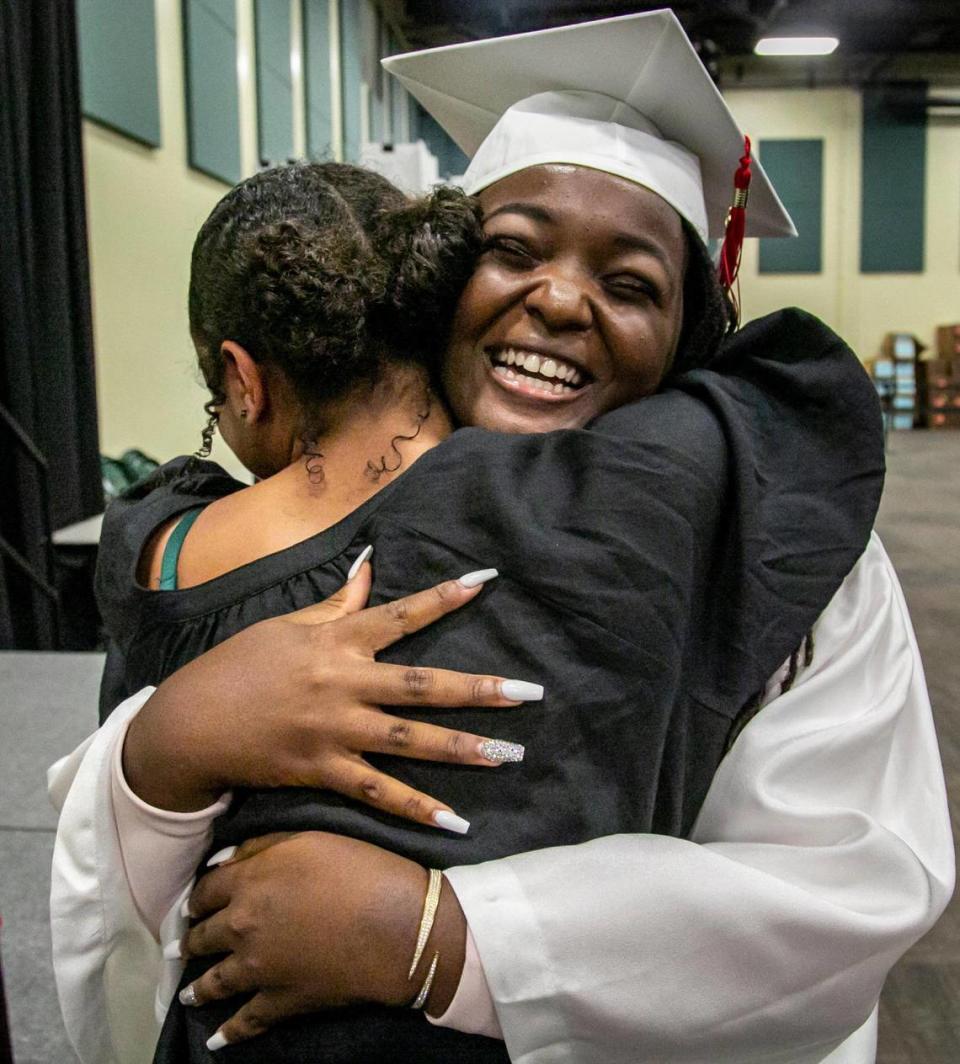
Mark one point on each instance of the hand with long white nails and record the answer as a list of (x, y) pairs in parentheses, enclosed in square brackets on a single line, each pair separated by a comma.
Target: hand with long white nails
[(295, 701), (323, 889)]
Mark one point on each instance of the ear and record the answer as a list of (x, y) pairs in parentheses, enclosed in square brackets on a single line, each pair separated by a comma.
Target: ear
[(244, 382)]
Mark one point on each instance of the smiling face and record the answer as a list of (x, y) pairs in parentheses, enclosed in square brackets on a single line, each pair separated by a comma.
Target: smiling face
[(575, 306)]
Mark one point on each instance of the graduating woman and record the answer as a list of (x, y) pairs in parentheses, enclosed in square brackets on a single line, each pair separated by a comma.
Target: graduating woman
[(767, 933)]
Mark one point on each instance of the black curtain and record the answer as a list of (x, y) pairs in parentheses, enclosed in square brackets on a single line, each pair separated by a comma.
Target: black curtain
[(49, 461)]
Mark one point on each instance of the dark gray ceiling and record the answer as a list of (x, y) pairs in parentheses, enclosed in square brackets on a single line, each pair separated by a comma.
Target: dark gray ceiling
[(873, 33)]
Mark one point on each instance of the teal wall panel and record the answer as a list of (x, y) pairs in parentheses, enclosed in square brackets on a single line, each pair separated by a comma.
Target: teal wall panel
[(274, 81), (118, 66), (451, 159), (893, 178), (213, 108), (316, 68), (398, 97), (377, 120), (796, 169), (375, 34), (351, 64)]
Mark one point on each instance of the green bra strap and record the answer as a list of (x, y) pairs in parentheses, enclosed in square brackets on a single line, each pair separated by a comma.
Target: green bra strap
[(171, 552)]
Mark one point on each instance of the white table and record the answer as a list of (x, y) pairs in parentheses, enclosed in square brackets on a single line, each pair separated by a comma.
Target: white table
[(85, 533)]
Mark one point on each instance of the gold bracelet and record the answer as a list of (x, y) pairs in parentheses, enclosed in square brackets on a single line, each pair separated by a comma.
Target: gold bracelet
[(430, 903), (421, 999)]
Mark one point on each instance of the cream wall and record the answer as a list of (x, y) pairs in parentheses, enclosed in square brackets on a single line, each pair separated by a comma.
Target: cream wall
[(144, 207), (861, 307)]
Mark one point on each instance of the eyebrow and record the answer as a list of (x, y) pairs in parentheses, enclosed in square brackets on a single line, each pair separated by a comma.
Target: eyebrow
[(538, 214), (631, 242)]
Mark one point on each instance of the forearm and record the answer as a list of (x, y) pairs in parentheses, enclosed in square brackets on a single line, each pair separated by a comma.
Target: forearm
[(166, 754), (449, 941), (160, 849)]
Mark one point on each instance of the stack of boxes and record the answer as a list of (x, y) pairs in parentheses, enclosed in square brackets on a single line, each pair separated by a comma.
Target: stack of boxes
[(919, 393), (895, 374), (939, 382)]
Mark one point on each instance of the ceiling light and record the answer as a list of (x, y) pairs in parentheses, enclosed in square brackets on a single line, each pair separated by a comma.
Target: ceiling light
[(796, 46)]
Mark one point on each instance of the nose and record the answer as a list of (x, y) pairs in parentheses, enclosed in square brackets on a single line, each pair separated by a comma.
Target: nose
[(561, 300)]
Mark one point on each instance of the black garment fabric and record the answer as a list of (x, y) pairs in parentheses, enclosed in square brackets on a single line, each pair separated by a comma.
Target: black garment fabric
[(49, 463), (656, 569)]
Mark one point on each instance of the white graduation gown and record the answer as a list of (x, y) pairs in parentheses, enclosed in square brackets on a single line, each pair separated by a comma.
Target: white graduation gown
[(822, 852)]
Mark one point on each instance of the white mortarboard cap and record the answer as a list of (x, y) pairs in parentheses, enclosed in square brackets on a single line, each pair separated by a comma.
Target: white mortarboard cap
[(628, 96)]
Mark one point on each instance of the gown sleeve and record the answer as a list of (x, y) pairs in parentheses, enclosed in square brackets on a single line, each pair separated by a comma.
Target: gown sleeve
[(105, 960), (120, 870), (822, 852)]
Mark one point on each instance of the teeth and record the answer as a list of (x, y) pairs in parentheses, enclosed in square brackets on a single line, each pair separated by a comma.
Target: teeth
[(534, 383), (560, 376)]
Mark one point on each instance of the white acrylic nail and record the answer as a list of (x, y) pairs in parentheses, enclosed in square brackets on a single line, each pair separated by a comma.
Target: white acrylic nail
[(222, 855), (443, 818), (171, 951), (521, 691), (185, 909), (360, 559), (477, 577), (216, 1041)]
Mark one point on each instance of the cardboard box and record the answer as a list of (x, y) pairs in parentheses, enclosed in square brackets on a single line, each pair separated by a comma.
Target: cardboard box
[(939, 372), (946, 419), (901, 346), (948, 341), (942, 399)]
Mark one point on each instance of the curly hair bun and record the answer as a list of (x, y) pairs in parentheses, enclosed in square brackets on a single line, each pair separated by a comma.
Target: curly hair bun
[(327, 271), (432, 244)]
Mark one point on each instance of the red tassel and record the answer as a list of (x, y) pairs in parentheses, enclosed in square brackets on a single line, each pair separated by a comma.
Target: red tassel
[(732, 247)]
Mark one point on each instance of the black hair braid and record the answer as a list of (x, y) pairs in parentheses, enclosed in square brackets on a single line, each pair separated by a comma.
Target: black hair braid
[(709, 314), (802, 657)]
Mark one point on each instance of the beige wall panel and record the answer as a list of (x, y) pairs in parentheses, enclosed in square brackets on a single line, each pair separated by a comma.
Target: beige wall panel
[(861, 307)]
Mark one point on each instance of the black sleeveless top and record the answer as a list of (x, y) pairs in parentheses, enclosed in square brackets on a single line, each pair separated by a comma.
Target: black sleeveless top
[(656, 569)]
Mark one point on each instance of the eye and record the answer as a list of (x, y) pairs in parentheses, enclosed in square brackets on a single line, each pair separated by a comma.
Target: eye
[(631, 286), (509, 249)]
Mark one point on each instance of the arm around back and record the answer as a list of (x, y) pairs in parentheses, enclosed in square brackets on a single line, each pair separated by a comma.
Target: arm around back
[(822, 852)]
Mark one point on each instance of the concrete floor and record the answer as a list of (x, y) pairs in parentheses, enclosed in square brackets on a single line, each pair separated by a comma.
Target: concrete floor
[(920, 1015), (920, 525)]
